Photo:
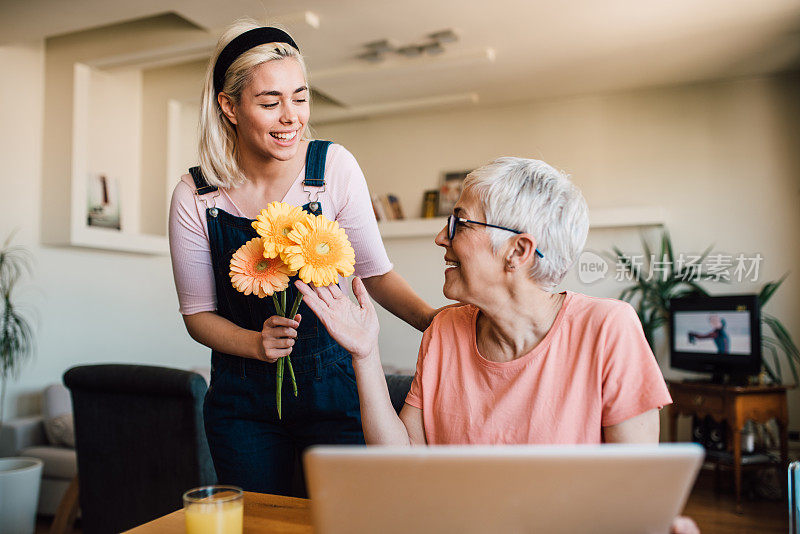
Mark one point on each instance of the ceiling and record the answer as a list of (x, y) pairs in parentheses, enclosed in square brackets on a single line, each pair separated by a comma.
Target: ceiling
[(540, 48)]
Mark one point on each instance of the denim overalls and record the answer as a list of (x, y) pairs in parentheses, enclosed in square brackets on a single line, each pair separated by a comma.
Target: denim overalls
[(250, 446)]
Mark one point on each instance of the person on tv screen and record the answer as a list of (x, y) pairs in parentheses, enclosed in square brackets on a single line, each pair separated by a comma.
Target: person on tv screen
[(718, 334)]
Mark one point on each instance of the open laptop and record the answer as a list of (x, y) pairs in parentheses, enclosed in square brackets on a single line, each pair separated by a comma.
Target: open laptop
[(504, 489)]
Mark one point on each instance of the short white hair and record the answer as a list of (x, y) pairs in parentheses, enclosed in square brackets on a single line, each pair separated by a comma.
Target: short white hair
[(218, 141), (531, 196)]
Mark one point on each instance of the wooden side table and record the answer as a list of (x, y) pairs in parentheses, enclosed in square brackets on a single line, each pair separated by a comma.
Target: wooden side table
[(735, 405)]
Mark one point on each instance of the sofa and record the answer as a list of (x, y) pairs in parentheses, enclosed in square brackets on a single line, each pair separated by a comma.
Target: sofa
[(47, 437)]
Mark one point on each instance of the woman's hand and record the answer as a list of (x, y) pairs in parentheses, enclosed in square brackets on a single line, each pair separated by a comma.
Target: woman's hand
[(354, 327), (278, 335)]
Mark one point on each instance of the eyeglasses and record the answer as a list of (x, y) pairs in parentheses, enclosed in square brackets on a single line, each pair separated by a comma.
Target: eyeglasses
[(453, 220)]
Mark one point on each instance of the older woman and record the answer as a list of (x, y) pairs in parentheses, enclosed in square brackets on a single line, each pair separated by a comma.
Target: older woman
[(517, 363)]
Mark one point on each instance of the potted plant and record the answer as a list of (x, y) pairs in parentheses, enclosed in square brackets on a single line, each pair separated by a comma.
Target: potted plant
[(19, 477), (775, 338), (16, 334), (650, 294)]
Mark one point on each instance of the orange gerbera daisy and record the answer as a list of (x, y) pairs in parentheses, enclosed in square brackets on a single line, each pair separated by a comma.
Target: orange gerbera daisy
[(274, 225), (320, 251), (252, 273)]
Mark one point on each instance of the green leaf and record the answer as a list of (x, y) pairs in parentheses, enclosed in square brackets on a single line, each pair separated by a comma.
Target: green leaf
[(705, 253), (666, 247), (645, 248), (783, 335), (775, 343), (16, 333), (769, 289), (628, 293), (777, 375)]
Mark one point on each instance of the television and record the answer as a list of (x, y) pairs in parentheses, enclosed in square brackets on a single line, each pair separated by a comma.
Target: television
[(720, 335)]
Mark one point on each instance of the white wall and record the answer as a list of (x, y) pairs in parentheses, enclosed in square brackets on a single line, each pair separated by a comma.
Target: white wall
[(90, 306), (20, 156), (159, 86)]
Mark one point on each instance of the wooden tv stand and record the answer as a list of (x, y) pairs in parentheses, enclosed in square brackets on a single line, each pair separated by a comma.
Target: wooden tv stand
[(735, 405)]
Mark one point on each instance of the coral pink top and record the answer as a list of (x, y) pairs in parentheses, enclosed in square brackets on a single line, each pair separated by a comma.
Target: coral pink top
[(346, 199), (594, 368)]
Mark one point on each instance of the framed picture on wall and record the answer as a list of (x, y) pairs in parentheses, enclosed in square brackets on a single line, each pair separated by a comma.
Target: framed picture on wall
[(450, 190), (102, 204)]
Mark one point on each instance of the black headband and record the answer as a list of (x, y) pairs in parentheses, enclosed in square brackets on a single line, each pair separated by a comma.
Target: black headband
[(241, 44)]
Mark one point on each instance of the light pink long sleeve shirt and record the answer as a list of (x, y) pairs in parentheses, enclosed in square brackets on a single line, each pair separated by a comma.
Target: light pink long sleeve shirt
[(346, 199)]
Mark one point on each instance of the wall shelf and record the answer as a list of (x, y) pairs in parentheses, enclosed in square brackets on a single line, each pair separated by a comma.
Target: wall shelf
[(411, 227), (113, 240), (629, 217)]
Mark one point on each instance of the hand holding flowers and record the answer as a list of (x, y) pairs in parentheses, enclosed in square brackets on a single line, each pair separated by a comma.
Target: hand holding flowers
[(291, 242), (278, 336)]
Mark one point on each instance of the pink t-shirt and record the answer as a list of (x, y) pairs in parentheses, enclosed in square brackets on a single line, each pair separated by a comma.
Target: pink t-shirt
[(594, 368), (345, 199)]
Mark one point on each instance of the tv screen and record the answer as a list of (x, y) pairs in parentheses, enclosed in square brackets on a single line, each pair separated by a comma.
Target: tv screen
[(720, 335), (713, 332)]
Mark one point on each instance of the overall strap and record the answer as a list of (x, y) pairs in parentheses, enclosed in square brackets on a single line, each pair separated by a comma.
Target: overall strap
[(315, 163), (200, 182)]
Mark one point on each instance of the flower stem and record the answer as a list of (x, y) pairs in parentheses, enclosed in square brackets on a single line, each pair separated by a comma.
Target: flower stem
[(297, 300), (291, 316), (291, 374), (278, 309), (279, 381), (283, 302)]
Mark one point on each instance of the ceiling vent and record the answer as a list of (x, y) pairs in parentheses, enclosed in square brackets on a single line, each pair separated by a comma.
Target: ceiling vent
[(433, 44)]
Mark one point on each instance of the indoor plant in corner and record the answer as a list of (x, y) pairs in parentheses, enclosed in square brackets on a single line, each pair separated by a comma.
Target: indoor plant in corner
[(775, 339), (19, 476), (650, 294)]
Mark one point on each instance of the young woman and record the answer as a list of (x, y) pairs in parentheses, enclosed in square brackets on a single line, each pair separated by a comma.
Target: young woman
[(254, 149)]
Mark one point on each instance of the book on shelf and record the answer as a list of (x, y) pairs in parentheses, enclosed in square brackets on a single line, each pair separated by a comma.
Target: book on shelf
[(387, 208), (377, 207), (397, 208), (430, 204)]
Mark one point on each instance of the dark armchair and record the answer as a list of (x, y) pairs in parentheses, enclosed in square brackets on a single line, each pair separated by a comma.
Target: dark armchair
[(398, 389), (140, 442)]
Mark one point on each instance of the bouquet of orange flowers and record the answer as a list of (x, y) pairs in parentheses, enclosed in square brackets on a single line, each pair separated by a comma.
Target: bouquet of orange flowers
[(292, 242)]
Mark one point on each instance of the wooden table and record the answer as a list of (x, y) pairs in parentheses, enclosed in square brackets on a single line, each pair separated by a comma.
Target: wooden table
[(735, 405), (262, 513), (287, 515)]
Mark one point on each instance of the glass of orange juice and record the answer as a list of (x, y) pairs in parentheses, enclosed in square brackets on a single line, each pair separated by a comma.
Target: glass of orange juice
[(214, 510)]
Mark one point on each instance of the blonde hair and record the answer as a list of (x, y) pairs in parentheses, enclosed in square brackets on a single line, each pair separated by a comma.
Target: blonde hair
[(217, 147)]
